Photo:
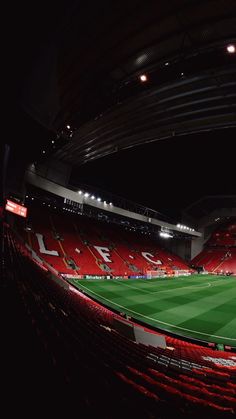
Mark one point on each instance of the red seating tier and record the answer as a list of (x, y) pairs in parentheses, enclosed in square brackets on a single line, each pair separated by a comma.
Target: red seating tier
[(96, 248)]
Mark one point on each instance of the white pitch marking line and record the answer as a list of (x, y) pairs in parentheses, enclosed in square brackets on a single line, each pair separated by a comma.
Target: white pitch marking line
[(155, 320), (206, 285)]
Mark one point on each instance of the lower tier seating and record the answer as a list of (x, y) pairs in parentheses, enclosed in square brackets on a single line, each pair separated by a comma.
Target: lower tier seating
[(176, 381)]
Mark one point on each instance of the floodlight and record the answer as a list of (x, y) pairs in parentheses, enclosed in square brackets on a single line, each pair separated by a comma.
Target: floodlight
[(231, 48), (143, 77)]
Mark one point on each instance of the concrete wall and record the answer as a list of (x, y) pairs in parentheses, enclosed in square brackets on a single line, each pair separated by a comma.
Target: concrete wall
[(179, 247), (197, 245)]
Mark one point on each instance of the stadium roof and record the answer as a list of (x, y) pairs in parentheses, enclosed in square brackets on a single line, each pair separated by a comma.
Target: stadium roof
[(88, 75), (74, 69)]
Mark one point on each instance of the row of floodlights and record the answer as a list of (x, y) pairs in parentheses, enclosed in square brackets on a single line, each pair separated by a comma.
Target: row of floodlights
[(231, 49), (87, 195), (183, 227), (71, 210)]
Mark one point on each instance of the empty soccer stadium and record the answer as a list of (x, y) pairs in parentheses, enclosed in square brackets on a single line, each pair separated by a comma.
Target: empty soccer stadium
[(118, 211)]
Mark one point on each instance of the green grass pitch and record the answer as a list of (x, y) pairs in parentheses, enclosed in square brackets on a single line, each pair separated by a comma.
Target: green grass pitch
[(198, 306)]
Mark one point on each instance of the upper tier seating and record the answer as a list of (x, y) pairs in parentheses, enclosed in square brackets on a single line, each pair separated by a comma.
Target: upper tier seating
[(219, 254)]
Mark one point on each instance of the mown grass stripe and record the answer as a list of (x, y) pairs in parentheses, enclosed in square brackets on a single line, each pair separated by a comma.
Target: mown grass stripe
[(185, 307)]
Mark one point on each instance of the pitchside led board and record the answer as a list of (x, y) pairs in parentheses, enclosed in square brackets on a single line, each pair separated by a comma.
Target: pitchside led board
[(16, 208)]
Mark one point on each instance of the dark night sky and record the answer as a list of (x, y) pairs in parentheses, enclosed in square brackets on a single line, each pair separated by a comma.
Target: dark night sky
[(166, 175)]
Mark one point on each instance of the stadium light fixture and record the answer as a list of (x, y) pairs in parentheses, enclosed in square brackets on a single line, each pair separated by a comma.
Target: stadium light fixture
[(44, 151), (167, 63), (68, 126), (110, 203), (80, 192), (231, 49), (183, 227), (53, 141), (99, 199), (143, 77), (92, 197), (165, 235), (86, 194), (105, 202)]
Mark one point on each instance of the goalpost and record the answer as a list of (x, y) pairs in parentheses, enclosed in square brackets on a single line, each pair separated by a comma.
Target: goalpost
[(155, 274), (162, 274)]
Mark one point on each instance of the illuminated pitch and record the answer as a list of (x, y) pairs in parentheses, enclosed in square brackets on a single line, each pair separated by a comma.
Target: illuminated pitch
[(200, 306)]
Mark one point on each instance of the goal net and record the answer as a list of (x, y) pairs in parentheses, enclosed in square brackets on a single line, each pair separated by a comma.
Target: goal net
[(155, 274)]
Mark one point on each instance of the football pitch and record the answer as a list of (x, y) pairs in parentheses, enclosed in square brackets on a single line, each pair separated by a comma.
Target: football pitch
[(197, 306)]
